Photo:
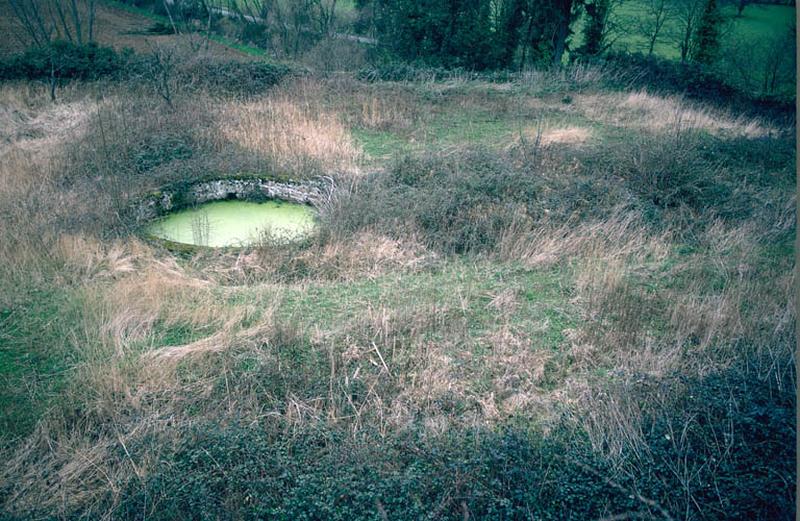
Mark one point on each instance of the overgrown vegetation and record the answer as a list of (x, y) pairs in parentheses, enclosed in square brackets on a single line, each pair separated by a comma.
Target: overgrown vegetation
[(549, 294), (64, 61), (165, 70)]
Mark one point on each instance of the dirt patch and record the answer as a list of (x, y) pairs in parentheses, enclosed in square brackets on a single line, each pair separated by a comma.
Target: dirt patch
[(567, 135)]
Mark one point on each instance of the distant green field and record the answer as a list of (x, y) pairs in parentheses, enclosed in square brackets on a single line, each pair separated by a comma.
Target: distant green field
[(758, 24), (763, 20)]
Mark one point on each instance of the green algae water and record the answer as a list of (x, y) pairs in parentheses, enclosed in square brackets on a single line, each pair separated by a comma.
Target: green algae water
[(235, 223)]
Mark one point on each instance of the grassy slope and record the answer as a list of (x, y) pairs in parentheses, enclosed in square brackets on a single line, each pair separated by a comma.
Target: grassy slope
[(468, 311), (449, 117)]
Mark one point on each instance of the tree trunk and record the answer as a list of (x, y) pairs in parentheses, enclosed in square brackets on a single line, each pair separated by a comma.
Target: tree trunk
[(169, 15), (560, 44), (527, 42), (90, 30), (652, 44), (564, 12), (53, 80), (76, 21), (684, 46), (512, 21), (62, 18)]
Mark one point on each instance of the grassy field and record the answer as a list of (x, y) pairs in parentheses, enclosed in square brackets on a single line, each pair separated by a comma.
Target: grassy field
[(552, 297), (758, 22), (751, 39)]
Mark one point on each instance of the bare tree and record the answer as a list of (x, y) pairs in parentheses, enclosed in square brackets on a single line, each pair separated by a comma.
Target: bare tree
[(55, 74), (654, 17), (565, 14), (160, 72), (167, 3), (687, 15), (324, 12), (780, 64), (33, 18), (766, 66), (46, 20), (609, 26), (292, 25)]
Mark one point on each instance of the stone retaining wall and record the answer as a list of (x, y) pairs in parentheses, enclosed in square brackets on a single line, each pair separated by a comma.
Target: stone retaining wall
[(312, 192)]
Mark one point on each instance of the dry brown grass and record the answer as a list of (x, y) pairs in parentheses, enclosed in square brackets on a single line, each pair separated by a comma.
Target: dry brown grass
[(685, 326), (620, 237), (544, 135), (126, 390), (365, 255), (368, 255), (642, 110), (518, 375), (381, 112), (291, 128), (567, 136), (48, 127), (31, 122)]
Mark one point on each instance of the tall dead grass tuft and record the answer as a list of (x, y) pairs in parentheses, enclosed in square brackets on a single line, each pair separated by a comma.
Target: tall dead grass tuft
[(123, 393), (363, 255), (621, 237), (394, 111), (292, 129), (655, 113), (161, 293), (709, 318)]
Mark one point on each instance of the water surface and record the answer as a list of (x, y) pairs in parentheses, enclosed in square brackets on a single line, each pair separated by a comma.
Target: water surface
[(235, 223)]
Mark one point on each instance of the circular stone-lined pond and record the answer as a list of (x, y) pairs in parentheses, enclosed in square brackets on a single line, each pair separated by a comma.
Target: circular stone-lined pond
[(235, 223)]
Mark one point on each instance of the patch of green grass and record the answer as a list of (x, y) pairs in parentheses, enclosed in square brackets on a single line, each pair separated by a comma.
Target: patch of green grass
[(343, 7), (781, 250), (249, 50), (179, 334), (460, 289), (450, 125), (380, 144), (34, 358), (146, 13), (756, 23), (760, 21), (466, 128)]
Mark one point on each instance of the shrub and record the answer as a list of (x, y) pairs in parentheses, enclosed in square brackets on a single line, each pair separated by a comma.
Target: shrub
[(249, 78), (726, 429), (657, 168), (697, 81), (460, 204), (720, 446), (66, 61), (404, 71), (246, 472)]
